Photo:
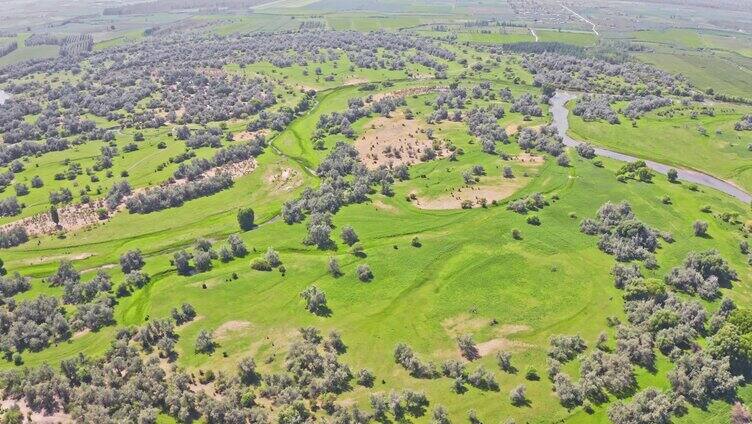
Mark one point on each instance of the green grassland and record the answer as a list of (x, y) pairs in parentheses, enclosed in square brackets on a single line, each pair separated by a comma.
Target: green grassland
[(709, 59), (676, 140), (23, 52), (467, 272), (469, 275)]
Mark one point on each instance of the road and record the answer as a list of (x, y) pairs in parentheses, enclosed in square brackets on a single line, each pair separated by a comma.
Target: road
[(560, 121), (582, 18), (532, 31)]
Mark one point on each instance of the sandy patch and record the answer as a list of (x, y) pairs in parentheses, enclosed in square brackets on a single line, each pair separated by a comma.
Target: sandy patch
[(46, 259), (72, 217), (229, 327), (97, 268), (378, 204), (464, 324), (394, 141), (528, 159), (355, 81), (79, 334), (234, 170), (475, 194), (250, 135), (285, 179), (469, 324), (502, 342), (512, 129)]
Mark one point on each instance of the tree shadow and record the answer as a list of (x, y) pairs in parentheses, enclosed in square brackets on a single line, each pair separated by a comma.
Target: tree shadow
[(323, 311)]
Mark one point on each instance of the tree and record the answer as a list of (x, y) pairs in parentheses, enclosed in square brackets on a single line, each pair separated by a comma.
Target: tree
[(740, 414), (181, 260), (364, 273), (504, 359), (673, 175), (517, 395), (507, 172), (365, 378), (247, 370), (440, 416), (245, 219), (272, 257), (315, 300), (467, 347), (237, 246), (204, 342), (334, 268), (349, 237), (131, 260), (203, 261), (54, 216), (65, 273), (700, 228)]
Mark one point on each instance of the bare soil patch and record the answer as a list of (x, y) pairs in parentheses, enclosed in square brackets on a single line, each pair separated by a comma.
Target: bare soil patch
[(250, 135), (355, 81), (394, 141), (224, 330), (72, 217), (531, 160), (285, 179), (46, 259), (502, 342), (378, 204), (464, 324), (503, 188)]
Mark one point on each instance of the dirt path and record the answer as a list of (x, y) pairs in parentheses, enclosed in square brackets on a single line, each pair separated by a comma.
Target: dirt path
[(582, 18)]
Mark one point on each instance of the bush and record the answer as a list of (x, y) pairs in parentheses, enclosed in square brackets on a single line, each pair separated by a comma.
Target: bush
[(700, 228), (364, 273), (205, 342), (245, 219), (261, 265)]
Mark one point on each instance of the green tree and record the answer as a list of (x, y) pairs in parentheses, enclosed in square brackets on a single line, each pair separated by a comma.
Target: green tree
[(245, 219)]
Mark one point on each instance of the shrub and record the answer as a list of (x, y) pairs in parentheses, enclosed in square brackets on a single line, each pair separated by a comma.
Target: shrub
[(364, 273), (245, 219)]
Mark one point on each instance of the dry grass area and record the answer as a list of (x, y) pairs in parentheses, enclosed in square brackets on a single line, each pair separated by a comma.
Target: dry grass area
[(72, 218), (225, 330), (394, 141), (489, 189), (502, 342), (285, 179), (56, 258), (469, 324), (475, 194), (250, 135)]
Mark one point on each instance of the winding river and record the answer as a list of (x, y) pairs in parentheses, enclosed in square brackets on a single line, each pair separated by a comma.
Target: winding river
[(560, 112)]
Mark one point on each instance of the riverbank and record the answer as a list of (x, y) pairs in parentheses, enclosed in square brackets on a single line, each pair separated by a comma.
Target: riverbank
[(560, 121)]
